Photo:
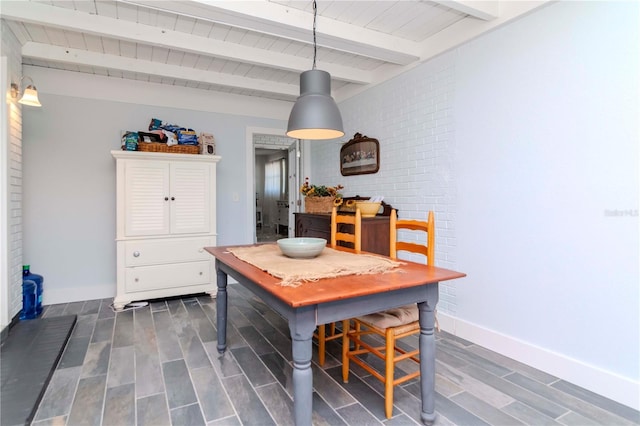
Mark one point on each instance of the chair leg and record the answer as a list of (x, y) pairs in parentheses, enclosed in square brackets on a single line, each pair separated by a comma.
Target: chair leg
[(389, 364), (321, 344), (345, 349)]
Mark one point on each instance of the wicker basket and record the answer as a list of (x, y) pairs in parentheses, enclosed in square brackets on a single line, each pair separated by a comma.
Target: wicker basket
[(318, 204), (173, 149)]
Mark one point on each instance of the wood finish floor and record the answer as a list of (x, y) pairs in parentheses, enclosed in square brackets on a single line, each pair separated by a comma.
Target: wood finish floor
[(158, 365), (269, 233)]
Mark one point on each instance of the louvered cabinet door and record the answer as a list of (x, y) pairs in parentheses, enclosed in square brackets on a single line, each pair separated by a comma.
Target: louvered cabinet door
[(190, 199), (147, 200)]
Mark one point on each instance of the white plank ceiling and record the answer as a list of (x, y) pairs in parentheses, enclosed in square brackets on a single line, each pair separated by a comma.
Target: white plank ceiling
[(254, 48)]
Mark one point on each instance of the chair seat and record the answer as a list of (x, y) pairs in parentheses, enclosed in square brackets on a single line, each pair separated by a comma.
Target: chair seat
[(404, 315)]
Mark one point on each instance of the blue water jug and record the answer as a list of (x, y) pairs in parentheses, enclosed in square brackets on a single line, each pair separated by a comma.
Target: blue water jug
[(39, 280), (29, 300)]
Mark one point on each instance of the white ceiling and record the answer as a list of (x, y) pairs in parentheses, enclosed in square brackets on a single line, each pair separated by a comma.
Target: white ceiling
[(254, 48)]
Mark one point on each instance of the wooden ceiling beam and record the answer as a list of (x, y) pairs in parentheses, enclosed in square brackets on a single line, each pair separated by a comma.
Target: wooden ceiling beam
[(70, 20), (481, 9), (67, 55), (293, 24)]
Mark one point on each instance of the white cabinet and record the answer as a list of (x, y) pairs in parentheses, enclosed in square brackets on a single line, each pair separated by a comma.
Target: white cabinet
[(166, 215)]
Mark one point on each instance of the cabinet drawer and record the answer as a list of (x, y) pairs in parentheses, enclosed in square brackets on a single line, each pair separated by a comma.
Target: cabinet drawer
[(154, 252), (175, 275)]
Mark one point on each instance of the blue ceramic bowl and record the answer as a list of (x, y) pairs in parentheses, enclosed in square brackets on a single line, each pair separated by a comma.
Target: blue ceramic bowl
[(302, 247)]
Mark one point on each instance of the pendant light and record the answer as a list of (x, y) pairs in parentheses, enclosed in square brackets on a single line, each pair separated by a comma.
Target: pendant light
[(315, 114)]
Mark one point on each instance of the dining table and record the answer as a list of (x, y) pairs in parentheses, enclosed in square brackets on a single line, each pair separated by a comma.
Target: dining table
[(327, 300)]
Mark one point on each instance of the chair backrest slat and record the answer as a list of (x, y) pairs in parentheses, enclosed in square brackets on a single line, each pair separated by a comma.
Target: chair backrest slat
[(428, 226), (339, 234), (412, 247)]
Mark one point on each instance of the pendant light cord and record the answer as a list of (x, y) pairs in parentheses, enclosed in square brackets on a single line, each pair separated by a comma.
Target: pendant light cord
[(315, 47)]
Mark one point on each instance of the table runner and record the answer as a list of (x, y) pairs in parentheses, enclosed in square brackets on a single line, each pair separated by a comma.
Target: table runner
[(329, 264)]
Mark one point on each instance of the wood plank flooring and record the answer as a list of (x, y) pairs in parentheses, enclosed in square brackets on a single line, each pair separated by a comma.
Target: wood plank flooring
[(269, 233), (158, 365)]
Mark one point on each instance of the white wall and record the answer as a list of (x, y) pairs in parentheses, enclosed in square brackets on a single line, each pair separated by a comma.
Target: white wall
[(69, 183), (524, 141), (10, 180), (547, 133)]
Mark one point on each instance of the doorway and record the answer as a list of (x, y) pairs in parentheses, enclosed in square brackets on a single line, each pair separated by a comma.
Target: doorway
[(296, 164), (272, 190)]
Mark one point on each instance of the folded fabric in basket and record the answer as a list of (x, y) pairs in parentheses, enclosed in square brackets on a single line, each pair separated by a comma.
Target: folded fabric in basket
[(175, 135), (155, 124), (130, 141), (171, 138), (149, 137), (187, 137)]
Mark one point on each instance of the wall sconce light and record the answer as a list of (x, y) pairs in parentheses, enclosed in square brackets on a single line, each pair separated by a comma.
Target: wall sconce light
[(30, 94), (315, 114)]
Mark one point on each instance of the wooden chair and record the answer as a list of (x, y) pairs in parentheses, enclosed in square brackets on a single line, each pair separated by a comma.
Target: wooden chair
[(391, 325), (339, 234)]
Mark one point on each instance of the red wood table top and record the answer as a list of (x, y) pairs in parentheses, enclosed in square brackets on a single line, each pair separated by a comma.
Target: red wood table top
[(409, 274)]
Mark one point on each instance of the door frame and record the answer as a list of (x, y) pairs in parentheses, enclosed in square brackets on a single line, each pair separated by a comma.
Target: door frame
[(250, 208), (294, 180)]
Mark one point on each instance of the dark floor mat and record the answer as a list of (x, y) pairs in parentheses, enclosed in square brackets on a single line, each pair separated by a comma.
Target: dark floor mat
[(28, 358)]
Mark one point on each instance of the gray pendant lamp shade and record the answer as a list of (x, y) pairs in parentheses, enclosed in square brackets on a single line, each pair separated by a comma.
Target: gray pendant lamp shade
[(315, 114)]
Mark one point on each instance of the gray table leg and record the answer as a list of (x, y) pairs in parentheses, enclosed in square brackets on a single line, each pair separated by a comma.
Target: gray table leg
[(301, 326), (221, 310), (427, 342)]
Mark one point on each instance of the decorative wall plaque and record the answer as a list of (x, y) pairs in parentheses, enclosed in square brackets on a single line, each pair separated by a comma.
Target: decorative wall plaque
[(359, 156)]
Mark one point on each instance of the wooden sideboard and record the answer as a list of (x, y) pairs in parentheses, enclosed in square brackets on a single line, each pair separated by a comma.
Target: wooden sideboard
[(375, 230)]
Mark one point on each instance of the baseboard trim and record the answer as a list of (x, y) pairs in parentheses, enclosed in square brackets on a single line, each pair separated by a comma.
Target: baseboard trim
[(53, 296), (605, 383), (76, 294)]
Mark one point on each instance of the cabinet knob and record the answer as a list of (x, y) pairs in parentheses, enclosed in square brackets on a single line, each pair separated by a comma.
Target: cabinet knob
[(166, 198), (200, 272), (136, 254), (173, 198), (136, 280)]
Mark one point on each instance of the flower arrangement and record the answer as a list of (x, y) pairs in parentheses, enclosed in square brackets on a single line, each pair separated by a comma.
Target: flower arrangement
[(320, 192), (309, 190)]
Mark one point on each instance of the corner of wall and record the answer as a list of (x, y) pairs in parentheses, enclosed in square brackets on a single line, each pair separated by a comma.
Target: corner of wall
[(11, 180)]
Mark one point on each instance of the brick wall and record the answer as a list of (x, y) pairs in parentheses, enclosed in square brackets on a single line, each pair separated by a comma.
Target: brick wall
[(411, 116), (266, 141), (13, 179)]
